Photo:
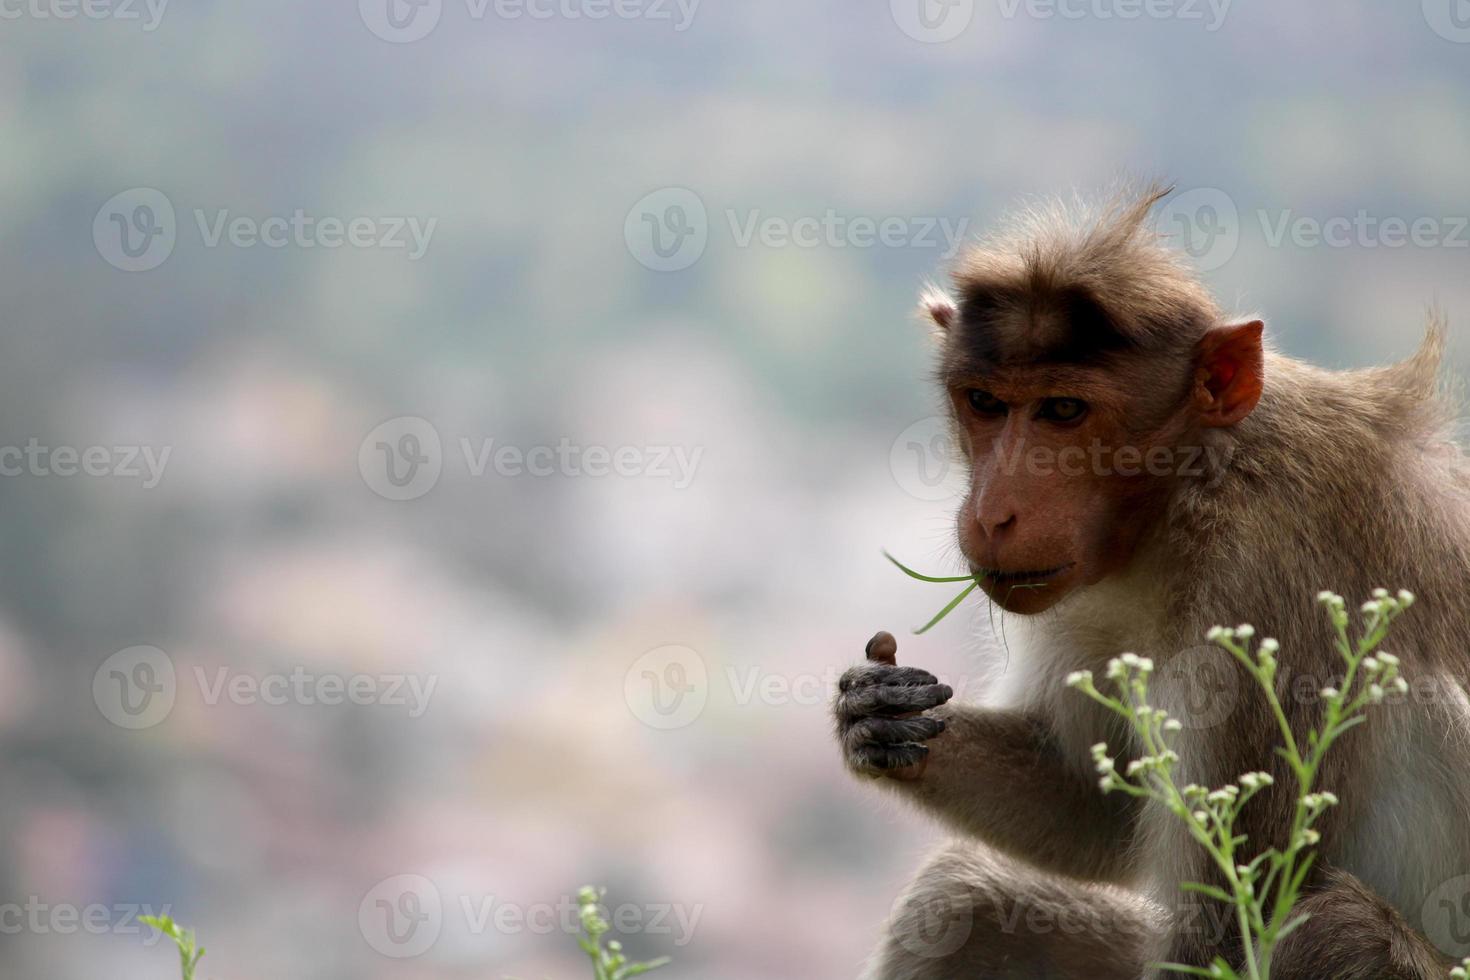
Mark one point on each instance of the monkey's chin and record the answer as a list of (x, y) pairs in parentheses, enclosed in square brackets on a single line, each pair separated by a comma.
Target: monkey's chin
[(1027, 594)]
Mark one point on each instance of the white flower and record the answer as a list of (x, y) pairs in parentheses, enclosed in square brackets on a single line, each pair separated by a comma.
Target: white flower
[(1406, 598), (1270, 645), (1329, 692), (1245, 631), (1079, 678), (1173, 725)]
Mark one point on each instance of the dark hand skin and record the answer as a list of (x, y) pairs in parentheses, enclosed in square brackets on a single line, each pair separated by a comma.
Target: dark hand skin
[(880, 708)]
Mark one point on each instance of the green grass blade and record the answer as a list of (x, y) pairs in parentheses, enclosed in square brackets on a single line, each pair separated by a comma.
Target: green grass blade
[(926, 578), (949, 608)]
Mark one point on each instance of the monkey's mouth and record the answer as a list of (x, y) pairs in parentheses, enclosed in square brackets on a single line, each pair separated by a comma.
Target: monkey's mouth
[(995, 576)]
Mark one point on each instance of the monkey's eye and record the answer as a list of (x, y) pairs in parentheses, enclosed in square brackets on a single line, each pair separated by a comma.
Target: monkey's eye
[(984, 403), (1062, 410)]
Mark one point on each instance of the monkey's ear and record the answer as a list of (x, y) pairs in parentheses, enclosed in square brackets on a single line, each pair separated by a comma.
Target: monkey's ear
[(936, 306), (1230, 369)]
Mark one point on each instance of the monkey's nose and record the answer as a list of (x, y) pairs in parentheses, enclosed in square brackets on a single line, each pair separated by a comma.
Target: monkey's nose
[(996, 529)]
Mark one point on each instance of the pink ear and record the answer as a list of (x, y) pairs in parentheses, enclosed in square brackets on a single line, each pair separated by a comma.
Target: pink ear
[(938, 307), (1230, 370)]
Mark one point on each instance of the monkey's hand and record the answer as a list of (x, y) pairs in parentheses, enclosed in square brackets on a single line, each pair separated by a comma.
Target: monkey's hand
[(879, 709)]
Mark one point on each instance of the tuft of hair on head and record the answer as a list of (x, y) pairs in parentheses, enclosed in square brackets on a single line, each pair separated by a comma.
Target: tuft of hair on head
[(1104, 258)]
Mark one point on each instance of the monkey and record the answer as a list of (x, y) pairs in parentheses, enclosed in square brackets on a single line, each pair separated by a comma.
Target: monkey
[(1078, 331)]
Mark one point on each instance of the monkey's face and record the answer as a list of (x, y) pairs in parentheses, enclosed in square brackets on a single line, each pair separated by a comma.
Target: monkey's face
[(1061, 486), (1082, 368), (1072, 463)]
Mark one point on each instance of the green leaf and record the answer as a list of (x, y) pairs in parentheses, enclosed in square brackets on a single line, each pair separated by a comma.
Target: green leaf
[(1287, 929), (635, 969), (1210, 890)]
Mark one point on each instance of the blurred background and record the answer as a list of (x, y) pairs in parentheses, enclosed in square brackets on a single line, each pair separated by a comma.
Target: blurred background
[(446, 445)]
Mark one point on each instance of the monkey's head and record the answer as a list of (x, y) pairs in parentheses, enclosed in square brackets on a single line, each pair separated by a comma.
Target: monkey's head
[(1084, 366)]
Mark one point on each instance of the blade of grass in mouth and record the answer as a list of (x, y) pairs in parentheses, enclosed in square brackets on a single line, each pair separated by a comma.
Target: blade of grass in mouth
[(974, 581)]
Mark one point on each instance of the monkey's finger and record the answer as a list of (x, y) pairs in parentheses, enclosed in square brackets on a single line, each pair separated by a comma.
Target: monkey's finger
[(883, 649), (893, 731), (888, 700), (880, 673), (875, 760)]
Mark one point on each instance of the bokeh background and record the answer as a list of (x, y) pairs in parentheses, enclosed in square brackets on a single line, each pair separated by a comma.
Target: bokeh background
[(622, 660)]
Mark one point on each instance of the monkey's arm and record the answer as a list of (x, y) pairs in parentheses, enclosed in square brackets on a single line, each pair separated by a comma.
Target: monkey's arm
[(998, 776)]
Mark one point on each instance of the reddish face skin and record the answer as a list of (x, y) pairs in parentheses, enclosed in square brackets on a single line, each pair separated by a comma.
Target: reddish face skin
[(1071, 465)]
